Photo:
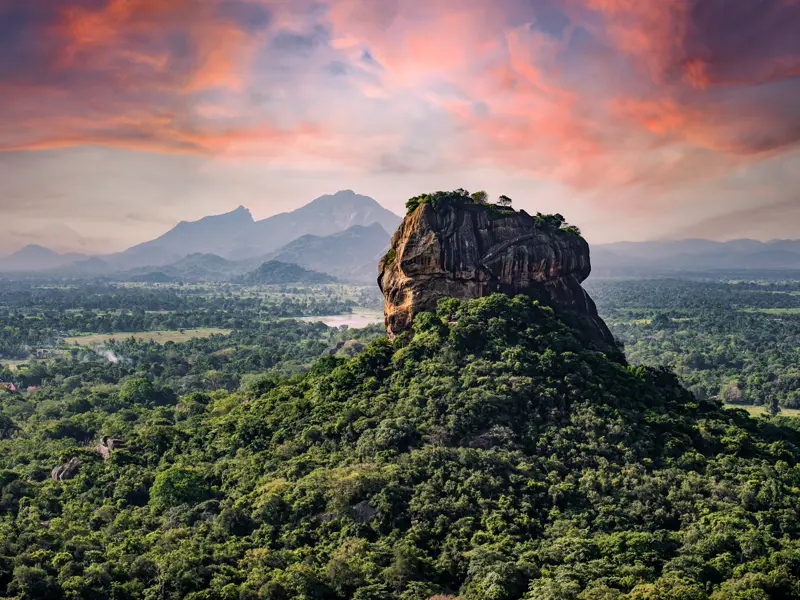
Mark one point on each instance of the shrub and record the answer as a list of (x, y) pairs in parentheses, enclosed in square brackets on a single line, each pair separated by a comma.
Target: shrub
[(390, 257)]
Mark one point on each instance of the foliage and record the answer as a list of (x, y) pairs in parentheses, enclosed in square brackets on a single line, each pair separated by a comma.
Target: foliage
[(390, 257), (33, 316), (456, 198), (137, 391), (739, 342), (552, 222), (480, 197), (177, 486), (555, 223), (492, 456)]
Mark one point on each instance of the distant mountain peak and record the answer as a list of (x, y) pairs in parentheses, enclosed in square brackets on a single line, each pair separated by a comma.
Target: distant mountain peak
[(34, 250), (34, 257), (345, 196), (238, 213), (235, 235)]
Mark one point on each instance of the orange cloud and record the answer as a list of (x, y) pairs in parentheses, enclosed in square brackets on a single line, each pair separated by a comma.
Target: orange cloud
[(146, 129), (98, 38), (130, 73)]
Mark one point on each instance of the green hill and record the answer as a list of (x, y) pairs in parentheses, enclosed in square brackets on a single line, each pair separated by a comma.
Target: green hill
[(491, 457), (275, 272)]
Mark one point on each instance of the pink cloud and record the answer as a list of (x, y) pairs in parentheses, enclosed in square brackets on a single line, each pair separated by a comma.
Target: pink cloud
[(669, 86), (621, 92)]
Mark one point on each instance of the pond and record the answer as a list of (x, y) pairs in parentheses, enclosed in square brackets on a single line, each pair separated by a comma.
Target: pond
[(356, 319)]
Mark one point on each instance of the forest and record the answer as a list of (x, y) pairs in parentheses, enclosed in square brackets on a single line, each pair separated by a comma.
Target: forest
[(488, 456), (33, 316), (737, 341)]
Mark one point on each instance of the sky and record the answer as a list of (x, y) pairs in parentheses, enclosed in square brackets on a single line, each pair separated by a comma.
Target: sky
[(635, 119)]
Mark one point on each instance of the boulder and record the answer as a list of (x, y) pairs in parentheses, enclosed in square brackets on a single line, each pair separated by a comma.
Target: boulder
[(66, 471), (107, 445)]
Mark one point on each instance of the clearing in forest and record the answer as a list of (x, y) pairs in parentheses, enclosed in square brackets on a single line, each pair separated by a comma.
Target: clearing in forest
[(162, 337)]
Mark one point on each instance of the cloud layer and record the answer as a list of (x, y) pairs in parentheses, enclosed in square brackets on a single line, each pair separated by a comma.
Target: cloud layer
[(620, 100)]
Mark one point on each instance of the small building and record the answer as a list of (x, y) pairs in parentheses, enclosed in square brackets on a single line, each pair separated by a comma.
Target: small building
[(43, 353), (5, 385)]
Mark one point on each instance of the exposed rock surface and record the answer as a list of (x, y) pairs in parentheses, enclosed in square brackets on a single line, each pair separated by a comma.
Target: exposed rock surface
[(66, 471), (471, 250), (107, 445), (363, 512)]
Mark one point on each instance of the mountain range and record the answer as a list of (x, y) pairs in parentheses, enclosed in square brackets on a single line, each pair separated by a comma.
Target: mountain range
[(344, 235), (236, 236)]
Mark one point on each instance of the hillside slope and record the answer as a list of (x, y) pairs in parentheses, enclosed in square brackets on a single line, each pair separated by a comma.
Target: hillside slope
[(216, 234), (349, 255), (491, 456)]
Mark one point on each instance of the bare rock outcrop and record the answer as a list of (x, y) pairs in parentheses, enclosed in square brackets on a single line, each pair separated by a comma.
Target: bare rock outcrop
[(66, 471), (107, 445), (468, 250)]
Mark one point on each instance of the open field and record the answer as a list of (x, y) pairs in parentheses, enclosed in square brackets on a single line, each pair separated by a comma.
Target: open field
[(161, 337), (12, 364), (760, 410)]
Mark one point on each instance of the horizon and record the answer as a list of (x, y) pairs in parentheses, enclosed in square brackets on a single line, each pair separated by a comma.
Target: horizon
[(256, 220), (636, 121)]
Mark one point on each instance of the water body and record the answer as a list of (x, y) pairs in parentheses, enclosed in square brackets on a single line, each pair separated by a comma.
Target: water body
[(355, 319)]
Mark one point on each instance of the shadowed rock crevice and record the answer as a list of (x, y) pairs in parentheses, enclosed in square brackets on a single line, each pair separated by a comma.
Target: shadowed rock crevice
[(465, 250)]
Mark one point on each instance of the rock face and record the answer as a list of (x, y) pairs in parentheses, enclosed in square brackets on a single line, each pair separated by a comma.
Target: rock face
[(471, 250)]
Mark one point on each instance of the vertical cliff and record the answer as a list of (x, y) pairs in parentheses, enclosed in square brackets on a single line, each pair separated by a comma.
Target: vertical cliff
[(467, 250)]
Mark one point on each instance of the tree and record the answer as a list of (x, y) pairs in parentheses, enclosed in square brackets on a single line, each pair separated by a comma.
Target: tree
[(480, 197), (176, 486), (138, 391), (504, 201), (773, 408), (731, 393), (7, 427), (33, 583)]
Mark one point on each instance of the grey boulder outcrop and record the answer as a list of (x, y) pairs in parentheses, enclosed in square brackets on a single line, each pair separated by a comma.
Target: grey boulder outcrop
[(66, 471)]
